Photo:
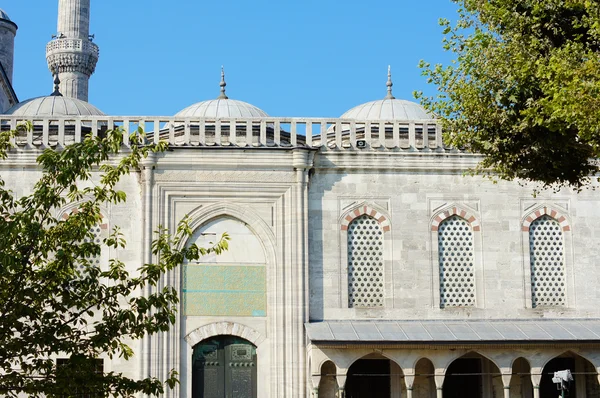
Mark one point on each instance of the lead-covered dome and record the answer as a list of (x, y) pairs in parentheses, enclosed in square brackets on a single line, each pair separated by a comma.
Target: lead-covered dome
[(222, 107), (54, 105), (388, 109)]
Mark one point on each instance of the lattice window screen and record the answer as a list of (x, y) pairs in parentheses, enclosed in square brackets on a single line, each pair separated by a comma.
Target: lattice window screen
[(546, 254), (97, 238), (457, 275), (365, 263)]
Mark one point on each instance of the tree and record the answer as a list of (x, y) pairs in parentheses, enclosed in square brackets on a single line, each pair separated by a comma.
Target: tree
[(54, 300), (524, 88)]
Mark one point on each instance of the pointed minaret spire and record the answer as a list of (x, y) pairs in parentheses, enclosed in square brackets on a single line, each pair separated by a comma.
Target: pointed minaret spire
[(72, 54), (389, 84), (56, 92), (223, 85)]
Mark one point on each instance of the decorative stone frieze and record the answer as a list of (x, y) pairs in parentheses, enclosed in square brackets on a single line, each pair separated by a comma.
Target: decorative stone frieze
[(67, 58)]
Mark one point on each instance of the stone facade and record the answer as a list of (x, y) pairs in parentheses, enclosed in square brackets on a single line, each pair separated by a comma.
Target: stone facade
[(289, 211), (363, 261)]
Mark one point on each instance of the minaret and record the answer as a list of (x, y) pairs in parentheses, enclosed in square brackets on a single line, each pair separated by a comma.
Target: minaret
[(71, 54), (8, 30)]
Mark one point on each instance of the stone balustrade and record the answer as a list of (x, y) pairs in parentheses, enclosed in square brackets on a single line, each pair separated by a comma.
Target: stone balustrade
[(319, 133), (70, 44)]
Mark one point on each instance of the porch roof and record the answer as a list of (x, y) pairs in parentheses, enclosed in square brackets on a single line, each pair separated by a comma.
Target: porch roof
[(453, 331)]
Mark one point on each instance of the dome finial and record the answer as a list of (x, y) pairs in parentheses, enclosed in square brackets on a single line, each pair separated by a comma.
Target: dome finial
[(56, 92), (222, 84), (389, 84)]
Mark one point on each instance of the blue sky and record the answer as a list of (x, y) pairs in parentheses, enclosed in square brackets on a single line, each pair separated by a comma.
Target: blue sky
[(289, 58)]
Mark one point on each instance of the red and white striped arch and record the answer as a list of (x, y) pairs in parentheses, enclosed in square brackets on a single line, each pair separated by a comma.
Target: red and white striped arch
[(455, 211), (369, 211), (549, 211)]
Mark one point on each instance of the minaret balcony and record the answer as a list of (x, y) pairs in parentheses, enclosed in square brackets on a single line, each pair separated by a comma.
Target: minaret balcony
[(72, 45)]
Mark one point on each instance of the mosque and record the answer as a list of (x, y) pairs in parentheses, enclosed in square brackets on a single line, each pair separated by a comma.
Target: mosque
[(363, 263)]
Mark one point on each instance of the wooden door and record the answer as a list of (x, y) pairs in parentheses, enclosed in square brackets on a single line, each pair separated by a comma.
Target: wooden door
[(224, 367)]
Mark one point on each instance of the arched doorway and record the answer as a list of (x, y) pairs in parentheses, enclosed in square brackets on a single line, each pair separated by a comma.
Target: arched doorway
[(585, 380), (224, 367), (328, 387), (424, 383), (520, 381), (472, 376), (374, 376)]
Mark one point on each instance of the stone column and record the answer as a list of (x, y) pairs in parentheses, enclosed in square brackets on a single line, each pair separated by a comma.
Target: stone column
[(506, 377), (409, 380), (536, 377), (341, 380), (316, 380), (440, 374)]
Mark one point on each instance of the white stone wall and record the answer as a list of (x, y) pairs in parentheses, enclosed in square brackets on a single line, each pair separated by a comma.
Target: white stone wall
[(411, 200), (299, 222)]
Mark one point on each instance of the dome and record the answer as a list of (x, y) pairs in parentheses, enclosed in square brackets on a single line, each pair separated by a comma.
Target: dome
[(222, 107), (388, 109), (53, 105), (4, 15)]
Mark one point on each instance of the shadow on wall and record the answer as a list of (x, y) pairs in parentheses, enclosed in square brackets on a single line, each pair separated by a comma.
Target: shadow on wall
[(319, 184)]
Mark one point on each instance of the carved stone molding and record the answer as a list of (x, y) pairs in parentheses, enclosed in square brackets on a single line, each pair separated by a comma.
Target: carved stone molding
[(224, 328), (72, 62), (227, 176)]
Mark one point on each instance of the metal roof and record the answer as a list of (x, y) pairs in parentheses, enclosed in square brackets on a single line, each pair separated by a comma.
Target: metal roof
[(222, 108), (54, 106), (445, 331), (388, 109)]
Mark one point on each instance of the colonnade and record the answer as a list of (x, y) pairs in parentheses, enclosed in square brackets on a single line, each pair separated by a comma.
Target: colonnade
[(508, 372)]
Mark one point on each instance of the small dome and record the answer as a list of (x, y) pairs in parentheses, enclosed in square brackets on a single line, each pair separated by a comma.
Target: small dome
[(388, 109), (4, 15), (53, 105), (222, 108)]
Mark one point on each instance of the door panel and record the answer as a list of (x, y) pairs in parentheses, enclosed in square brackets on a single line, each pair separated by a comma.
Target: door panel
[(224, 367)]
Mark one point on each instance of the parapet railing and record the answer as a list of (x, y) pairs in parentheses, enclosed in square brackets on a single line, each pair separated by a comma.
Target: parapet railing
[(319, 133), (69, 44)]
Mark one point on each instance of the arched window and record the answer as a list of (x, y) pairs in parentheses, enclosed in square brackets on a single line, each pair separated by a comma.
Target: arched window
[(96, 237), (365, 263), (457, 271), (233, 283), (546, 253)]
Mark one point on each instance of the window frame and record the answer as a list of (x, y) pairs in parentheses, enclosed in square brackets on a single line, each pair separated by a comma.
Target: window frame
[(473, 219), (384, 222), (565, 223)]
